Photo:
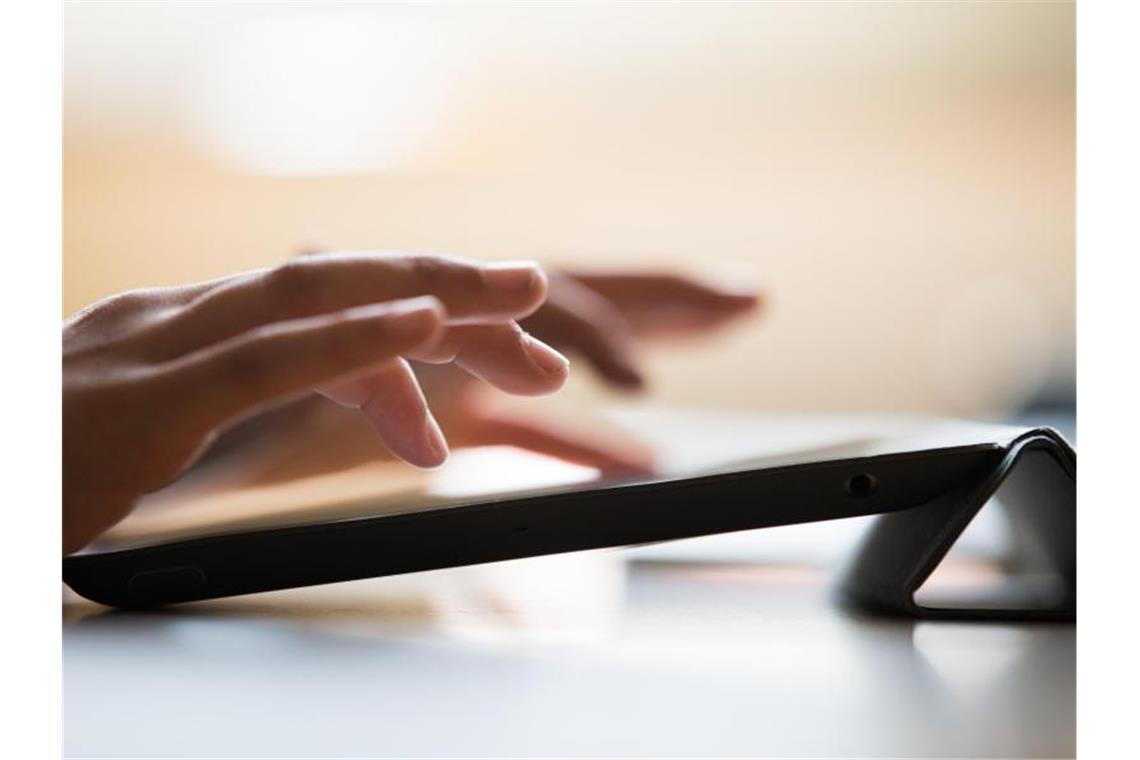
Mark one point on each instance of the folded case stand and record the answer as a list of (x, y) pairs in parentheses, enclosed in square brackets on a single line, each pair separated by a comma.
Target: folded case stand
[(1035, 483)]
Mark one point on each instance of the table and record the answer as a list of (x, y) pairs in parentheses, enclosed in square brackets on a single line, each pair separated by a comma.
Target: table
[(668, 660)]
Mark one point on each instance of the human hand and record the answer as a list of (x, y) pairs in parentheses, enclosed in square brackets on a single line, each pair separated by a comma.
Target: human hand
[(150, 376), (604, 316), (601, 316)]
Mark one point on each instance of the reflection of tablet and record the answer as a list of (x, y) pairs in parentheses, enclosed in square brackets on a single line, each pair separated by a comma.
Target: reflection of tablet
[(839, 475)]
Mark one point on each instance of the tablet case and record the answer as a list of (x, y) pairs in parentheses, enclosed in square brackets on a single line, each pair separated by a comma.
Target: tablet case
[(1036, 484), (925, 498)]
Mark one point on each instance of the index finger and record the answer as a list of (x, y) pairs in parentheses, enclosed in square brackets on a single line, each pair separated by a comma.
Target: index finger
[(225, 380), (308, 286)]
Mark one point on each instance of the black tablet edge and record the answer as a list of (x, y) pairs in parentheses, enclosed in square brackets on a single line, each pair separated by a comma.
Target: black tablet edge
[(511, 528)]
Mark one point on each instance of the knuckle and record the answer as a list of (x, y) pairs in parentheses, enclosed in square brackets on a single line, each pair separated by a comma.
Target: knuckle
[(118, 322), (129, 300), (138, 298), (293, 284), (427, 270), (438, 272), (341, 339), (119, 306)]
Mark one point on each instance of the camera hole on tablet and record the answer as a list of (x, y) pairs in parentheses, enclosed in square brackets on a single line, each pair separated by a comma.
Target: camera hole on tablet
[(862, 485)]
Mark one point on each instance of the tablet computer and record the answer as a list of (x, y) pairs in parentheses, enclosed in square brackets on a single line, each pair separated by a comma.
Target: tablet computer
[(806, 471)]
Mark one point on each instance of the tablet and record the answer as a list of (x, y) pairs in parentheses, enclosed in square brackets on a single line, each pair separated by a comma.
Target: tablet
[(345, 530)]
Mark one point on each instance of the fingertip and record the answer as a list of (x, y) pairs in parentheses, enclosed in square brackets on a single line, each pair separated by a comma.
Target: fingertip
[(524, 280), (743, 301), (540, 285), (416, 320), (426, 303), (628, 469), (425, 460), (419, 443), (539, 290), (619, 369), (436, 449), (548, 360), (553, 368), (625, 377), (518, 276), (726, 302)]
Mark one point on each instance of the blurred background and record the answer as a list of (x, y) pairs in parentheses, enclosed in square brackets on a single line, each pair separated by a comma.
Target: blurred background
[(898, 177)]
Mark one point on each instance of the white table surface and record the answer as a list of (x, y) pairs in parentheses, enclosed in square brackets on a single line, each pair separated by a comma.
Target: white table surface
[(669, 660), (588, 654)]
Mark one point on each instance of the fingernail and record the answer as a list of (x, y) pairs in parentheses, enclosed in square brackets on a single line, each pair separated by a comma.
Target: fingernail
[(511, 275), (620, 367), (627, 376), (745, 298), (548, 360), (435, 440)]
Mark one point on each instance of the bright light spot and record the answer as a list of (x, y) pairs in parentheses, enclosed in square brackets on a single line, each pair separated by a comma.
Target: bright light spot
[(502, 469), (324, 93)]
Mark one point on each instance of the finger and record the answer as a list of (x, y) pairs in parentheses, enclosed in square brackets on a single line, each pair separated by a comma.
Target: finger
[(502, 355), (567, 445), (655, 303), (319, 284), (392, 401), (276, 361), (580, 320)]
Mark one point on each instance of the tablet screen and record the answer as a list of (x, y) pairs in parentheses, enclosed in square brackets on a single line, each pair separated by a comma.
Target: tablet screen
[(685, 445)]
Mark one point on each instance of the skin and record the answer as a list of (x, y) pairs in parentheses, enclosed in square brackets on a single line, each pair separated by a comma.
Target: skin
[(153, 379)]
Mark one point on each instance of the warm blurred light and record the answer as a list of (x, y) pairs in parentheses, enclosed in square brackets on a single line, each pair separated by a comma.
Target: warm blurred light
[(323, 93), (898, 175), (991, 347)]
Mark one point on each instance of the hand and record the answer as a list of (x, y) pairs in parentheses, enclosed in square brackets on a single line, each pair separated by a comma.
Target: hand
[(149, 377), (601, 316)]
